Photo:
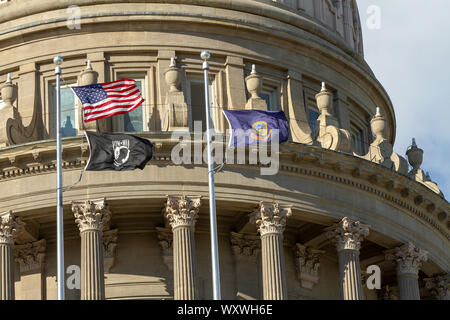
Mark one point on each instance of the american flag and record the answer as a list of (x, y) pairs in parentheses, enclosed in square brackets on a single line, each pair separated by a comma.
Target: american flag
[(104, 100)]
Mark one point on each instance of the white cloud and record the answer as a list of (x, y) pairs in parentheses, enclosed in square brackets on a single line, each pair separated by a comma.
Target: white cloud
[(409, 55)]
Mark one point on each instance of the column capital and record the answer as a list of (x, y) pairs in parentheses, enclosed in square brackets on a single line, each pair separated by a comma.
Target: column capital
[(165, 240), (245, 246), (91, 215), (182, 211), (30, 256), (10, 226), (307, 261), (347, 234), (439, 286), (408, 257), (270, 217)]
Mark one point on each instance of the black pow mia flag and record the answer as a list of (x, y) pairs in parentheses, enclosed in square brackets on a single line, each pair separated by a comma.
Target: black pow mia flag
[(114, 151)]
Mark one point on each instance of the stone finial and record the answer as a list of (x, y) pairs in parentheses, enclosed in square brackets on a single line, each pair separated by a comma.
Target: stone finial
[(109, 239), (245, 246), (10, 227), (182, 211), (270, 217), (415, 156), (378, 125), (30, 256), (88, 76), (324, 100), (409, 259), (8, 93), (307, 261), (348, 234), (173, 76), (254, 84), (91, 215), (165, 240), (439, 286)]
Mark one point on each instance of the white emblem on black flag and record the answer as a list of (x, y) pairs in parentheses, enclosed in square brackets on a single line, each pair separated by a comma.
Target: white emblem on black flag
[(121, 151), (116, 151)]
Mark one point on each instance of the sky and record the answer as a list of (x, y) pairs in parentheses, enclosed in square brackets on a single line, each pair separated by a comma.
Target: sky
[(407, 45)]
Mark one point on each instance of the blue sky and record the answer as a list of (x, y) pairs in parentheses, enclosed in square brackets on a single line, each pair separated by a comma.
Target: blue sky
[(410, 56)]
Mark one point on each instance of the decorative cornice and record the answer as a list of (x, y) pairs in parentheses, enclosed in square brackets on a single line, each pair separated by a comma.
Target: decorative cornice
[(109, 239), (10, 227), (348, 234), (439, 286), (270, 217), (182, 211), (307, 261), (30, 256), (91, 215), (165, 240), (245, 245), (408, 257)]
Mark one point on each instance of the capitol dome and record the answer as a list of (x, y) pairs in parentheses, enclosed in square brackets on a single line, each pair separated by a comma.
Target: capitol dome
[(341, 201)]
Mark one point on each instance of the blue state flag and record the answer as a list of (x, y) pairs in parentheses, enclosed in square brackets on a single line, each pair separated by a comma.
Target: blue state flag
[(256, 126)]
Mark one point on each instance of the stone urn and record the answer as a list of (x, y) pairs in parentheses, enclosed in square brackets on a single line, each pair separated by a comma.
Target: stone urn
[(254, 83), (8, 92), (324, 100), (415, 155), (88, 76), (173, 76), (378, 124)]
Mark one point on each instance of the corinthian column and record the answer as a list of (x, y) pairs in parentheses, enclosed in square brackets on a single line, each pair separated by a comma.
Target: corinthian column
[(270, 219), (347, 235), (182, 213), (409, 259), (90, 217), (10, 226)]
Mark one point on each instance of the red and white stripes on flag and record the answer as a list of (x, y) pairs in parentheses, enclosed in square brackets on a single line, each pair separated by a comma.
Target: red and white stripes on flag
[(108, 99)]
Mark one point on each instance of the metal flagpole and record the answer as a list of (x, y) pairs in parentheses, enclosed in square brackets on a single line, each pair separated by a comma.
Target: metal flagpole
[(205, 55), (59, 196)]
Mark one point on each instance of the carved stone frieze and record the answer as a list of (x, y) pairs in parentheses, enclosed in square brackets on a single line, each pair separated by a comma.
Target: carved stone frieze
[(109, 239), (307, 261), (408, 257), (91, 215), (245, 246), (30, 256), (348, 234), (270, 217), (182, 210), (10, 227)]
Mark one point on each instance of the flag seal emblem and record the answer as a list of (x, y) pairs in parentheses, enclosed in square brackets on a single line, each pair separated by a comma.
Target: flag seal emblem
[(261, 131), (121, 151)]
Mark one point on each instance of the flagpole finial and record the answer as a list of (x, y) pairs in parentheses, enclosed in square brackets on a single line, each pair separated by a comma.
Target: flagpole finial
[(205, 55), (324, 88), (8, 78), (172, 62), (58, 60)]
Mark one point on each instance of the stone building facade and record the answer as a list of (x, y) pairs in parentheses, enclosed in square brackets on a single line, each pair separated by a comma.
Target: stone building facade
[(341, 201)]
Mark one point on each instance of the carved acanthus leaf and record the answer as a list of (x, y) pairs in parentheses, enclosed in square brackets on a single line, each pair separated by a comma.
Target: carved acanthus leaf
[(348, 234), (91, 215)]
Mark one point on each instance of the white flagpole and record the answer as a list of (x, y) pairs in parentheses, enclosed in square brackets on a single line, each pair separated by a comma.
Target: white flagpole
[(59, 196), (205, 55)]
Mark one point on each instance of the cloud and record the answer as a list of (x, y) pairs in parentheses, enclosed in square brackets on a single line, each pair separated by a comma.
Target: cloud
[(409, 55)]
